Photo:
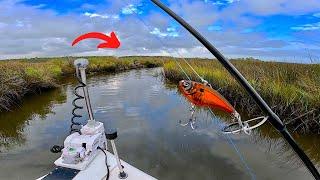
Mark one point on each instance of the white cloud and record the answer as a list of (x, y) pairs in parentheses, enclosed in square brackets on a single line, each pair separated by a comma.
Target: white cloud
[(316, 15), (131, 9), (171, 29), (170, 32), (307, 27), (221, 2), (232, 1), (93, 15), (19, 23)]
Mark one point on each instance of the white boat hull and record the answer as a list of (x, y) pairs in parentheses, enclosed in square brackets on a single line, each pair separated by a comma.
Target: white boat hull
[(97, 170)]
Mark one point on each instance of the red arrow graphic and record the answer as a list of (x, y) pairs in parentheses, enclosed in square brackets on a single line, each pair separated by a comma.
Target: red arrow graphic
[(110, 41)]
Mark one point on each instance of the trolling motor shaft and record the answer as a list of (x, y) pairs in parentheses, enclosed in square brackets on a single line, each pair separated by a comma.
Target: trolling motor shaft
[(81, 66)]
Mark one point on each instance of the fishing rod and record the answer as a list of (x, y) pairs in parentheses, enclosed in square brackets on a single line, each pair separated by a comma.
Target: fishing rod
[(273, 118)]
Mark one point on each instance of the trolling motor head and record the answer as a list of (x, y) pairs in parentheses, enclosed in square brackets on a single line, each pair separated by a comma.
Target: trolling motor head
[(81, 63)]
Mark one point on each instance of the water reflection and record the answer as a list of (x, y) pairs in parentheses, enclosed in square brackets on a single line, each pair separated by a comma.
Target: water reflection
[(272, 142), (13, 124)]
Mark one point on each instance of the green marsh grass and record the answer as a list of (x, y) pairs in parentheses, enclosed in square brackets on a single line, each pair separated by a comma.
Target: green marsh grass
[(21, 77), (292, 90)]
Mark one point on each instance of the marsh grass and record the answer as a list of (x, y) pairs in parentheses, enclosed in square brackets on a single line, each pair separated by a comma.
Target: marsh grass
[(21, 77), (292, 90)]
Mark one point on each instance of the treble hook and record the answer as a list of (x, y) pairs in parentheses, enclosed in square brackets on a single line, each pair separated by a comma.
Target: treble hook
[(192, 119), (243, 125)]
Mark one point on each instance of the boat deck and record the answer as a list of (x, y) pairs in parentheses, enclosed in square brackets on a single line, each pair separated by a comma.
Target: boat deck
[(97, 170)]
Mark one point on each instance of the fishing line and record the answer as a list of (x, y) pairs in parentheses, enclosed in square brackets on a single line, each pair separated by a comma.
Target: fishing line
[(194, 71), (183, 70), (227, 136)]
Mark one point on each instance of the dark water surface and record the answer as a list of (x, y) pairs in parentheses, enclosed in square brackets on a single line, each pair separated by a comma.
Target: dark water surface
[(146, 113)]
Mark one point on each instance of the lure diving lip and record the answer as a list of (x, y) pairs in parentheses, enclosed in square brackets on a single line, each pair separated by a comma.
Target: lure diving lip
[(203, 95)]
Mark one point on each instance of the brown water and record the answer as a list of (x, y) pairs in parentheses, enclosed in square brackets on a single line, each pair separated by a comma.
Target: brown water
[(146, 113)]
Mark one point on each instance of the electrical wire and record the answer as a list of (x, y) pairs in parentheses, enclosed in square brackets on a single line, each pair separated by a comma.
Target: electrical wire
[(74, 125), (56, 149), (106, 161)]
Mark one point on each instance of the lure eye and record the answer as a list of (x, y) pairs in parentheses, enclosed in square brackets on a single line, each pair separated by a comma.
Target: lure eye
[(186, 84)]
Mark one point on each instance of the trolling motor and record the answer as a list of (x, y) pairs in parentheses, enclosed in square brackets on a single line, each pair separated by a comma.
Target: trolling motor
[(82, 145)]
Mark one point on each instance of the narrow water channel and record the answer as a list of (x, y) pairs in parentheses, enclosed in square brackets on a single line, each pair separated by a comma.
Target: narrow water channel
[(146, 112)]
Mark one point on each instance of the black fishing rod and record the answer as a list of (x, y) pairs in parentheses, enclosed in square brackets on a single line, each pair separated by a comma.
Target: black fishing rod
[(273, 118)]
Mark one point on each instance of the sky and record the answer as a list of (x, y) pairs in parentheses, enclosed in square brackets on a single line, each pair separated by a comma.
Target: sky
[(281, 30)]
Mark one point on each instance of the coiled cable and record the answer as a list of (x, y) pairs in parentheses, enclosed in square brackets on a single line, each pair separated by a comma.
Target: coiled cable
[(74, 127)]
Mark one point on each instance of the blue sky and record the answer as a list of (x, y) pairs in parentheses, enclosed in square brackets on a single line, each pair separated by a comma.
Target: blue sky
[(282, 30)]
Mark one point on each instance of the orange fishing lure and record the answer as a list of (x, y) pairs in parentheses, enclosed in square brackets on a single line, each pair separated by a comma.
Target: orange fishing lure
[(202, 95)]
